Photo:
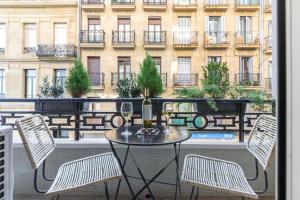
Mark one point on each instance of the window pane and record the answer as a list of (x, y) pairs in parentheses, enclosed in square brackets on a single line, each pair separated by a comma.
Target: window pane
[(60, 30), (61, 76), (30, 78), (30, 35), (2, 35)]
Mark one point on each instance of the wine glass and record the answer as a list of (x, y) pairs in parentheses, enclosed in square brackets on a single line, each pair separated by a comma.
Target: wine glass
[(167, 111), (126, 112)]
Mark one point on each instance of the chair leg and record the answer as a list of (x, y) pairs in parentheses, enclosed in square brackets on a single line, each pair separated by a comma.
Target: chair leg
[(192, 193), (57, 197), (197, 195), (106, 191)]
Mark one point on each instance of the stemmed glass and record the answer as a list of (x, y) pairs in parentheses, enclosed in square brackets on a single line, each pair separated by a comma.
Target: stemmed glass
[(167, 111), (126, 112)]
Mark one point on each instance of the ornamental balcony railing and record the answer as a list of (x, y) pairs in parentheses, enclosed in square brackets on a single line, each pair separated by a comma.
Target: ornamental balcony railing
[(268, 44), (216, 4), (92, 2), (247, 5), (185, 80), (183, 5), (29, 49), (122, 2), (155, 2), (96, 37), (2, 50), (75, 118), (217, 39), (247, 40), (247, 79), (97, 79), (61, 50), (123, 38), (185, 39), (155, 37), (116, 77)]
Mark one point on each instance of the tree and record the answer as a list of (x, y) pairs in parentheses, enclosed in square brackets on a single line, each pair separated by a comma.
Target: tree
[(45, 88), (149, 78), (78, 82)]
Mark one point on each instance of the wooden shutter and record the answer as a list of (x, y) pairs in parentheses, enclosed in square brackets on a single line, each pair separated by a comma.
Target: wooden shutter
[(94, 70)]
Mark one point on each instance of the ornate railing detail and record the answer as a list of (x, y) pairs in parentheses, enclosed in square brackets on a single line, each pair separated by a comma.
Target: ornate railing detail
[(63, 50), (154, 37), (185, 80), (121, 2), (29, 49), (88, 36), (155, 2), (92, 2)]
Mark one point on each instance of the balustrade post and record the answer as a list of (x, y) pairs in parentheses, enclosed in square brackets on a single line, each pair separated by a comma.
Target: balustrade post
[(241, 121), (77, 120), (159, 111)]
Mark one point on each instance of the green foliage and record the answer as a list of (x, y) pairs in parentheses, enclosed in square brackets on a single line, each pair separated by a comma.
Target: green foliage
[(149, 78), (56, 89), (215, 80), (78, 82), (129, 88), (193, 92), (47, 90)]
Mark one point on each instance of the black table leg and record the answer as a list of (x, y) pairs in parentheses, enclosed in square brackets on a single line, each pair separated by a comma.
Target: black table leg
[(178, 185)]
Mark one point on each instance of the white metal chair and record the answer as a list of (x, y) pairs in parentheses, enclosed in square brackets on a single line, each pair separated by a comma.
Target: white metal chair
[(200, 171), (71, 176)]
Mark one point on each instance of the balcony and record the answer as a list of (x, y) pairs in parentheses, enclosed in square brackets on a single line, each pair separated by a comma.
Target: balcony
[(247, 5), (268, 84), (93, 5), (164, 78), (185, 80), (185, 6), (2, 51), (185, 39), (216, 5), (92, 39), (63, 51), (155, 5), (116, 77), (29, 50), (155, 39), (268, 6), (121, 5), (123, 39), (247, 79), (216, 40), (247, 40), (268, 45), (97, 80)]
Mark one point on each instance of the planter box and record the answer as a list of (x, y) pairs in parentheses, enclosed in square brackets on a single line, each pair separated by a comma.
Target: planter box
[(224, 107), (67, 106)]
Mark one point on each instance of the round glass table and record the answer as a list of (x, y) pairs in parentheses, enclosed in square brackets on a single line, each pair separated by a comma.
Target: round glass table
[(175, 138)]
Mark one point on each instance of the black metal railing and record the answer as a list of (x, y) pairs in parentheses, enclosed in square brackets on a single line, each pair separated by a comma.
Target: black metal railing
[(247, 38), (2, 50), (92, 2), (164, 78), (247, 3), (268, 84), (116, 77), (216, 3), (184, 3), (97, 79), (123, 37), (122, 2), (247, 79), (268, 43), (62, 50), (29, 49), (154, 37), (155, 2), (216, 38), (76, 117), (185, 80), (88, 36), (185, 38)]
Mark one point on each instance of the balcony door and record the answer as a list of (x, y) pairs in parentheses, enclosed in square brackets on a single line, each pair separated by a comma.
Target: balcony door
[(94, 70), (30, 37), (60, 33), (154, 28), (246, 69), (184, 27), (30, 83), (215, 28), (94, 29), (124, 30), (184, 70), (245, 28), (124, 68)]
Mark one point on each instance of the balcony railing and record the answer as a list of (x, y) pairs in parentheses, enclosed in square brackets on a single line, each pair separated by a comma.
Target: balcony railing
[(92, 2), (122, 2), (164, 78), (76, 117), (185, 80), (247, 40), (116, 77), (247, 79), (183, 5), (217, 39), (96, 37), (268, 44), (268, 84), (155, 38), (123, 38), (215, 5), (268, 6), (247, 5), (63, 50), (97, 79), (29, 49), (185, 39), (155, 2), (2, 50)]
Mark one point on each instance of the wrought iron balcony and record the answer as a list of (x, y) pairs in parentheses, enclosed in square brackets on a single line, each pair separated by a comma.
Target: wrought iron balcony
[(185, 80), (183, 5), (268, 45), (116, 77), (247, 40), (120, 5), (155, 39), (248, 5), (155, 5), (93, 5), (92, 2), (29, 49), (97, 80), (2, 50), (185, 39), (164, 78), (216, 5), (61, 50), (123, 39), (268, 6), (247, 79), (92, 38), (216, 40), (268, 84)]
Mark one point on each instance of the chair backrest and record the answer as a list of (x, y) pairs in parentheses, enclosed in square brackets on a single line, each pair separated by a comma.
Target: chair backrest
[(36, 137), (262, 140)]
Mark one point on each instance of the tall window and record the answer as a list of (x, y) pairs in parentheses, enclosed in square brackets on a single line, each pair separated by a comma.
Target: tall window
[(184, 70), (60, 76), (94, 29), (60, 33), (94, 70), (216, 59), (157, 61), (215, 27), (154, 28), (124, 67), (246, 68), (2, 83), (30, 38), (184, 28), (2, 38), (124, 29), (30, 83), (244, 28)]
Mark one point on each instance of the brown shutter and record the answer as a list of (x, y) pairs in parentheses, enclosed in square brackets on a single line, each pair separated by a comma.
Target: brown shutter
[(123, 20), (154, 21), (94, 21), (94, 70)]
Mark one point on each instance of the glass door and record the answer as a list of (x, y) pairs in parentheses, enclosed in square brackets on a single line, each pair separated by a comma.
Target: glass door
[(184, 71), (124, 30), (124, 68), (154, 28), (94, 30), (245, 29), (184, 26)]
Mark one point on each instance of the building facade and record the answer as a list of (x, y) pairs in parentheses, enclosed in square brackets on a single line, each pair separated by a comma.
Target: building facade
[(112, 37)]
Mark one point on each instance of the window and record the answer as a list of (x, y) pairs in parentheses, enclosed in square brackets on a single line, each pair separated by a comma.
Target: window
[(60, 76), (184, 70), (154, 28), (29, 38), (244, 28), (30, 83), (2, 83), (246, 68), (94, 30), (94, 70), (216, 59), (124, 67), (157, 61), (124, 29), (215, 28), (2, 38), (184, 27), (60, 33)]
